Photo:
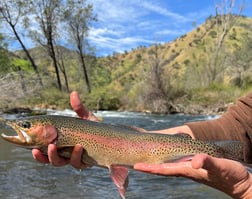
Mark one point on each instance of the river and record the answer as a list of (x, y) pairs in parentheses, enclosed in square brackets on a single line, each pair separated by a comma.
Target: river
[(22, 177)]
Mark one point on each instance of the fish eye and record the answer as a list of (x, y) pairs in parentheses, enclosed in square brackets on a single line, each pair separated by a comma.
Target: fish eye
[(25, 124)]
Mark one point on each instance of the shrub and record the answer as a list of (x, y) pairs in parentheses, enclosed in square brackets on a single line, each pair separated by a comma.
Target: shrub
[(213, 34)]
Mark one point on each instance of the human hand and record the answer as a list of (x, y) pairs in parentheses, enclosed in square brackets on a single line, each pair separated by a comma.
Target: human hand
[(75, 159), (228, 176), (80, 109)]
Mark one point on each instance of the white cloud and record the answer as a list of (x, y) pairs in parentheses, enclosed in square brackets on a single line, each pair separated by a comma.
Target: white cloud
[(108, 43), (163, 11), (116, 10), (123, 25), (171, 32), (104, 31)]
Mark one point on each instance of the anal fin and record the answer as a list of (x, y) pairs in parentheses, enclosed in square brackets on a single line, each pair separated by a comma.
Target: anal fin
[(119, 176)]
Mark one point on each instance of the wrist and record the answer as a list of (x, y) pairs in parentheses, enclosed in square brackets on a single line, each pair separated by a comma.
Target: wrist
[(248, 193), (179, 129), (244, 189)]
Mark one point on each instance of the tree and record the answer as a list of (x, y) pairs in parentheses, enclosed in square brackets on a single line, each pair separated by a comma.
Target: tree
[(5, 63), (241, 61), (224, 21), (61, 64), (47, 16), (12, 12), (78, 16), (154, 93)]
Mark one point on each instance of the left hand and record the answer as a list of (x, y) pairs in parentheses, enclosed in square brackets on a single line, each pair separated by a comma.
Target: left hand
[(75, 159), (225, 175), (57, 161)]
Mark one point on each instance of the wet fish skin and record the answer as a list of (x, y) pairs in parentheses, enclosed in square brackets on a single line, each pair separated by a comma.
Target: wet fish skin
[(110, 146)]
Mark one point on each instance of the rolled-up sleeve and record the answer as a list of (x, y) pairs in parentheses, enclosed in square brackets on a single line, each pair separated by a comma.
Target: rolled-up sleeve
[(235, 124)]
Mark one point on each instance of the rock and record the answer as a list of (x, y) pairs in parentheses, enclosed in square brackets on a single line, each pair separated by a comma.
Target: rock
[(17, 110)]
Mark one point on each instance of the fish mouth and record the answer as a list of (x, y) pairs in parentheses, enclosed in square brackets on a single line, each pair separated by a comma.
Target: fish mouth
[(21, 138)]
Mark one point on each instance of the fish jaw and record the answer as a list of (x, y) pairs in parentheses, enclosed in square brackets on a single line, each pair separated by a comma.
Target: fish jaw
[(20, 139), (37, 136)]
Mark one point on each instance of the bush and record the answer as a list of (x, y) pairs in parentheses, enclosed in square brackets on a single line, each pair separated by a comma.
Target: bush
[(213, 34), (187, 62)]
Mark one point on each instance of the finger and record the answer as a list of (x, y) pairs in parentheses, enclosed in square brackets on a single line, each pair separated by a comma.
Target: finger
[(54, 158), (76, 157), (207, 162), (80, 109), (37, 155), (164, 169), (199, 161), (217, 165), (77, 106)]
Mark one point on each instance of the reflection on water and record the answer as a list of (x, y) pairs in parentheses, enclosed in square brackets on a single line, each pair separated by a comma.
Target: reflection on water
[(22, 177)]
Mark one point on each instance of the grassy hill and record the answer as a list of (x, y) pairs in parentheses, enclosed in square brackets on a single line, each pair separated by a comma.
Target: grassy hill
[(192, 71), (201, 71)]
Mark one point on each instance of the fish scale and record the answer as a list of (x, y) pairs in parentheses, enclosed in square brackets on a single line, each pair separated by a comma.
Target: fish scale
[(111, 146)]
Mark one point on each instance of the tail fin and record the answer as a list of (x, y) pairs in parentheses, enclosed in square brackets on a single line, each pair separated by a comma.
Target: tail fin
[(234, 149)]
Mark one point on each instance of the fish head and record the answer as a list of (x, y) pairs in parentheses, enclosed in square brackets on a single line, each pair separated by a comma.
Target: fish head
[(31, 133)]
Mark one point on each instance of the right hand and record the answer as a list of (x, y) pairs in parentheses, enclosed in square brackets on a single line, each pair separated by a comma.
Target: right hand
[(75, 159), (228, 176)]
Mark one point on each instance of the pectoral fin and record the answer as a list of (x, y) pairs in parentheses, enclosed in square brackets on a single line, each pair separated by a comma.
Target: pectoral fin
[(180, 158), (119, 176)]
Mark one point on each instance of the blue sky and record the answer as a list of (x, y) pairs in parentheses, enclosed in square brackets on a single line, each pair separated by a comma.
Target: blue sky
[(126, 24)]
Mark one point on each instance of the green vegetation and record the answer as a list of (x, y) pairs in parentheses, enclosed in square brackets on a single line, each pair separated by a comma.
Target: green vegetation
[(201, 71)]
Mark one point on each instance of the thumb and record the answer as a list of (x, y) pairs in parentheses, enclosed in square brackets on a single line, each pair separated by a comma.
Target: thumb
[(205, 161), (77, 106)]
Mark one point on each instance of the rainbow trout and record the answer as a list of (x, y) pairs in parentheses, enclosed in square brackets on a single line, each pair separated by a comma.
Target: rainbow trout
[(114, 147)]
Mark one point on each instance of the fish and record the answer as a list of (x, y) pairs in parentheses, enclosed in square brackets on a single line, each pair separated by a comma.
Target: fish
[(111, 146)]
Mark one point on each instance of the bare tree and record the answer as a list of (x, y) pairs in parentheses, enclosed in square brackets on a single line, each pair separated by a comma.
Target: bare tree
[(78, 17), (12, 12), (154, 92), (61, 64), (224, 21), (47, 16), (241, 61)]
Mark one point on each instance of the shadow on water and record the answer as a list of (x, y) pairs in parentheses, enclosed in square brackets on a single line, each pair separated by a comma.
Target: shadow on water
[(23, 177)]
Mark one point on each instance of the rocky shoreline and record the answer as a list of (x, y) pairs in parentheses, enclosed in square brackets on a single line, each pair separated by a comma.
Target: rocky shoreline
[(193, 109), (23, 111)]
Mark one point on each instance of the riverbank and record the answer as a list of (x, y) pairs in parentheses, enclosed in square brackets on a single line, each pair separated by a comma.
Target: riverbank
[(193, 109), (200, 102)]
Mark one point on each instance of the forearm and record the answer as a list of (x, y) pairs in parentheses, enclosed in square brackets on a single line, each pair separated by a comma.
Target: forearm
[(180, 129), (235, 124)]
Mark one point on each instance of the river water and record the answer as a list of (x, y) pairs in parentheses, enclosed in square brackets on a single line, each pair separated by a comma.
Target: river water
[(22, 177)]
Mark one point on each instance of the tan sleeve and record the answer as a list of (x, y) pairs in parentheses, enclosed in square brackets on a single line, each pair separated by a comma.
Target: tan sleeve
[(235, 124)]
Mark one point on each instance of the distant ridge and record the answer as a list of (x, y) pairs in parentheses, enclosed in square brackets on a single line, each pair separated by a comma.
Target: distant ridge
[(164, 77)]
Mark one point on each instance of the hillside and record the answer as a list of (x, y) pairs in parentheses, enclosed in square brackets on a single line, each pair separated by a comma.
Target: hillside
[(208, 66), (191, 69)]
